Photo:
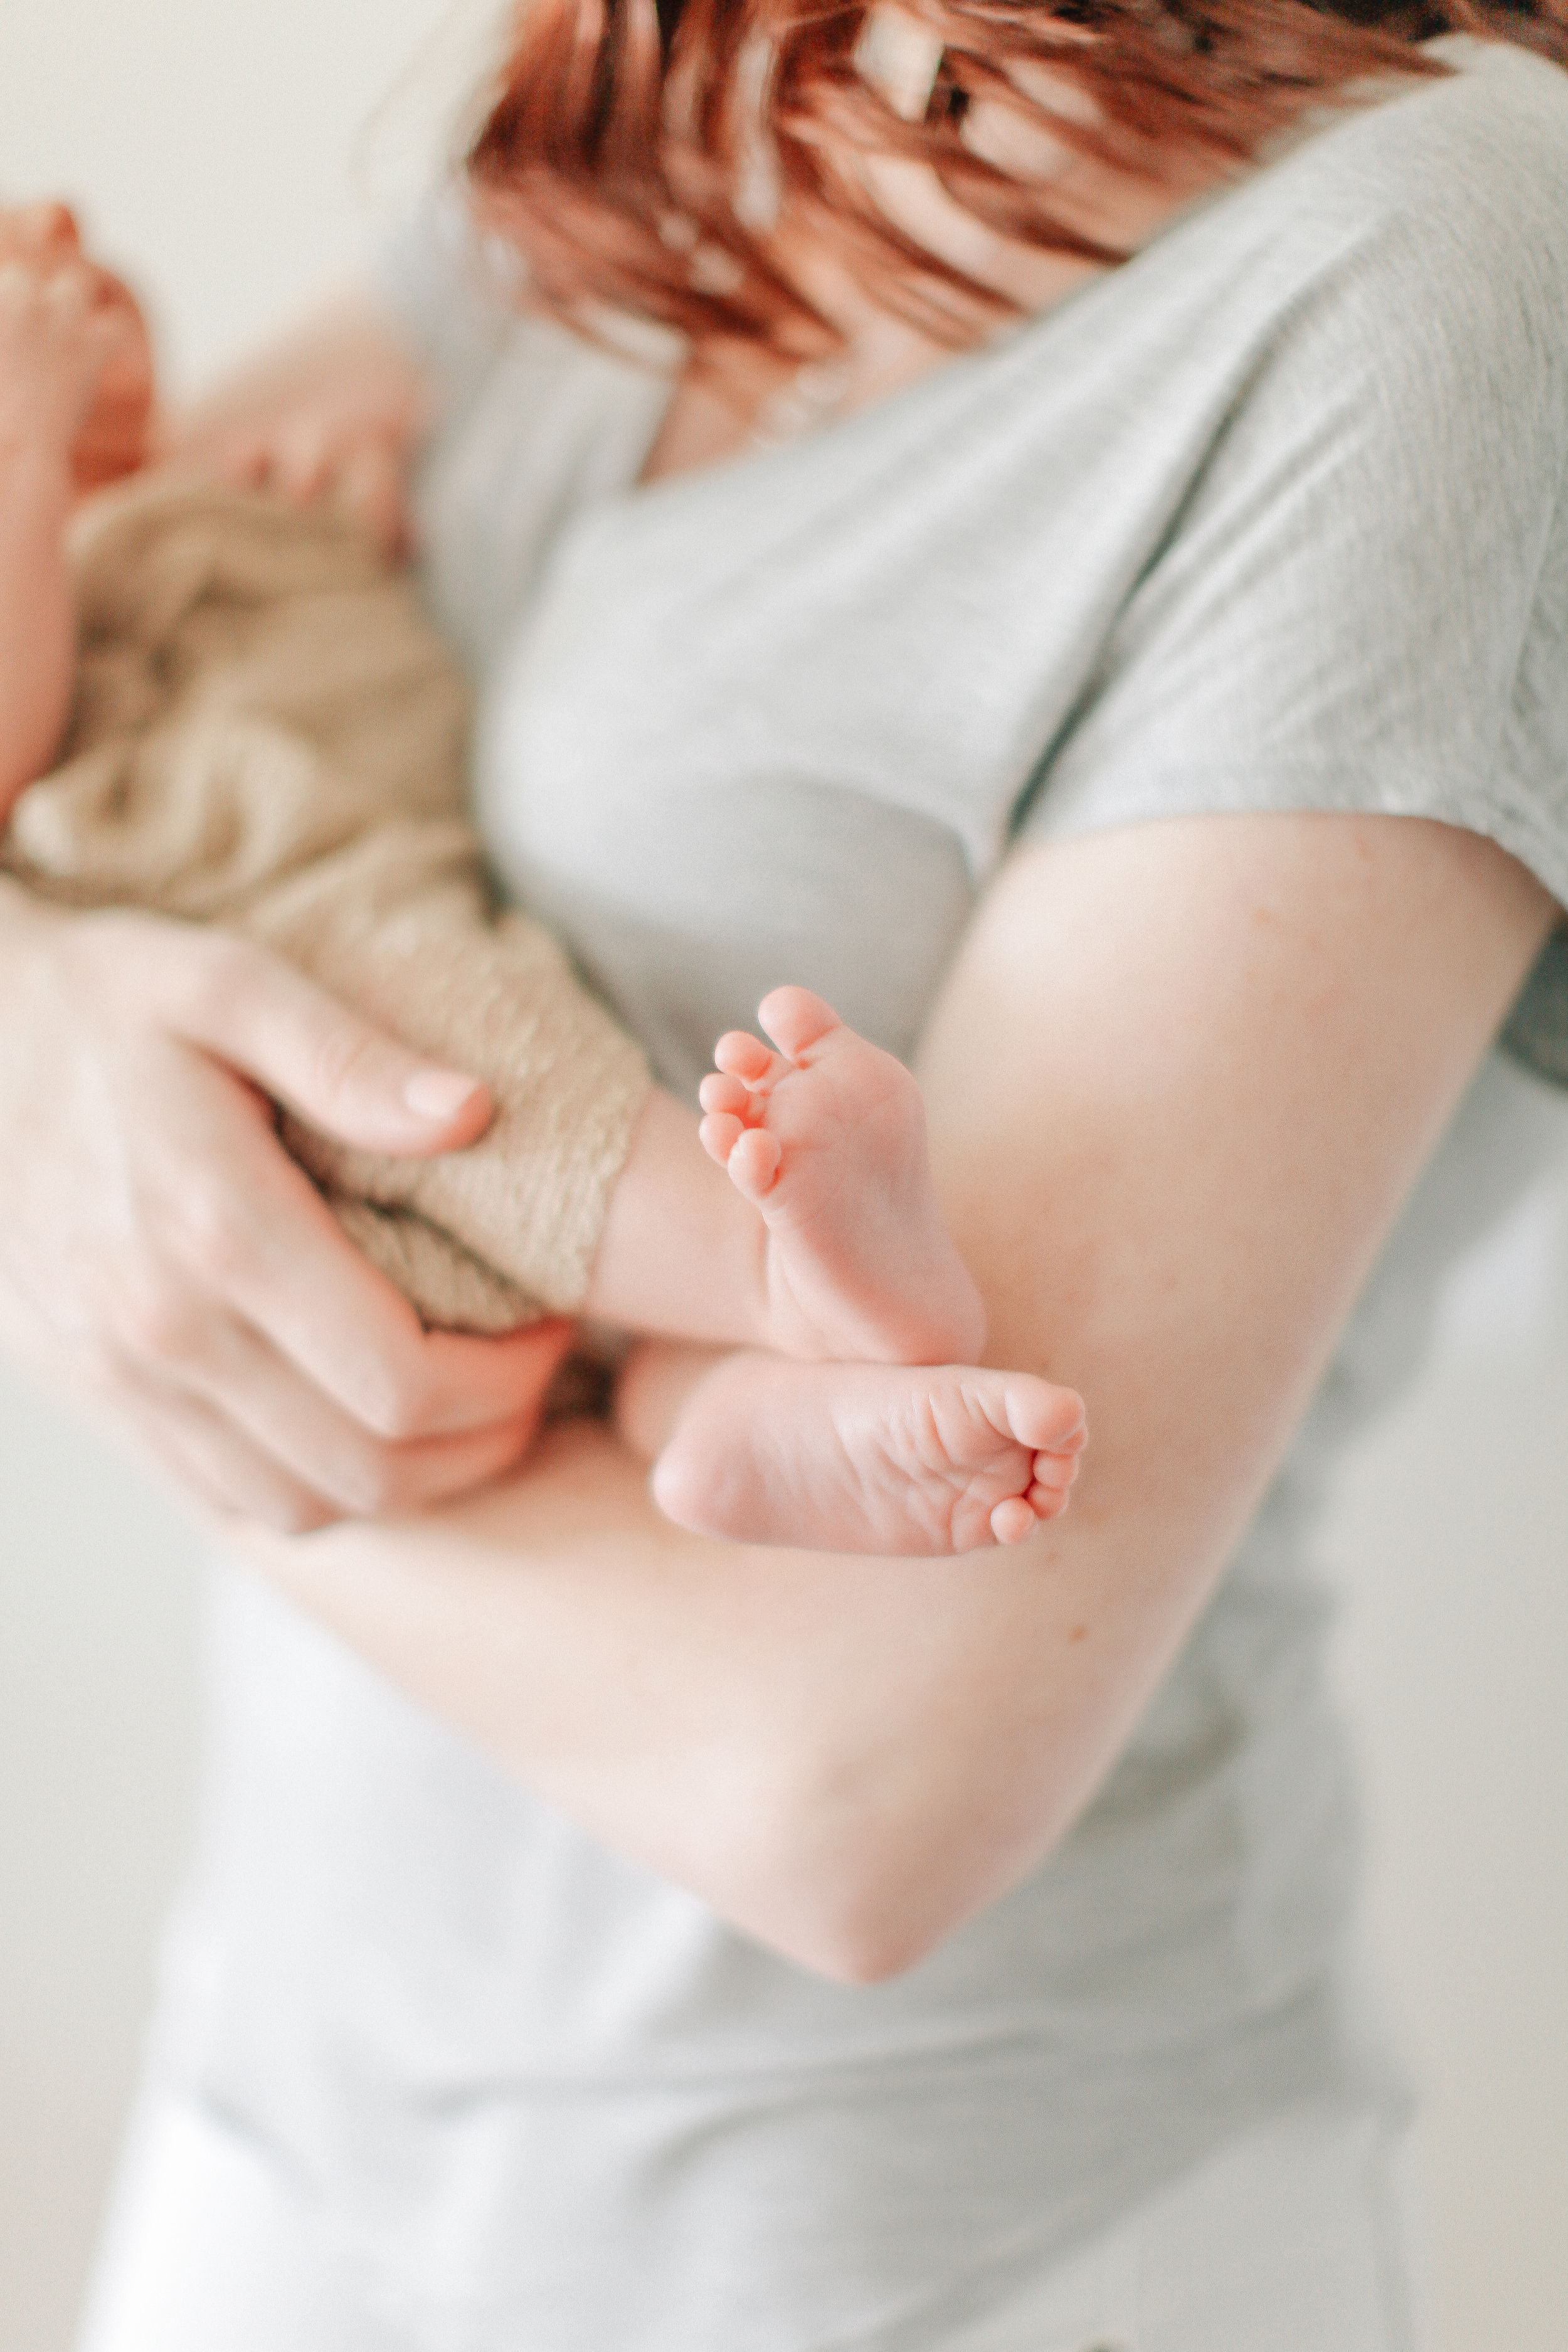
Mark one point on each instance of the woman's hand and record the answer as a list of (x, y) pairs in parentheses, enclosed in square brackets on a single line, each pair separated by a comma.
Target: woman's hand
[(161, 1252), (333, 417)]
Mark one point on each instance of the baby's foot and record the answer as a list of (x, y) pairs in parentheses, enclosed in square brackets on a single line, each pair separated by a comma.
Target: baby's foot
[(826, 1138), (870, 1457)]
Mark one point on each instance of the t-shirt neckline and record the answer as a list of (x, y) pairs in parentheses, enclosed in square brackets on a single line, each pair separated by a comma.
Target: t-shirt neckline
[(636, 498)]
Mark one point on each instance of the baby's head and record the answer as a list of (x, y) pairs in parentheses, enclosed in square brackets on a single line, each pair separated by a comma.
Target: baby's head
[(113, 439)]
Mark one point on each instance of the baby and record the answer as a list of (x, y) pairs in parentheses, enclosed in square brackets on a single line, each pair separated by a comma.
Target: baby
[(220, 709)]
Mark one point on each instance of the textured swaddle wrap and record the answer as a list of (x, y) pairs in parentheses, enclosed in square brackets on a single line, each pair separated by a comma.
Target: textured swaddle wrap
[(268, 735)]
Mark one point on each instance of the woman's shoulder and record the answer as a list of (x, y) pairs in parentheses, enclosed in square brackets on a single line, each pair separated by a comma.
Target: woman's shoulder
[(1463, 174), (1397, 269), (1399, 276), (1362, 601), (1493, 97)]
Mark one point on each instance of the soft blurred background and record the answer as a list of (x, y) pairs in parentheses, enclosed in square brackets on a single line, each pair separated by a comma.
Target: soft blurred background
[(236, 162)]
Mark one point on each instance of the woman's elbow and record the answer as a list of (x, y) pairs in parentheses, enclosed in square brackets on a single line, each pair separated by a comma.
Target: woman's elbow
[(858, 1937), (862, 1894)]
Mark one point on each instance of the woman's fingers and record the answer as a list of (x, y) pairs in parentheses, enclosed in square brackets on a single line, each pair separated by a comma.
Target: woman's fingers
[(370, 483), (254, 1444), (341, 436), (252, 1435), (216, 1467), (304, 1048), (271, 1249), (468, 1383), (301, 456)]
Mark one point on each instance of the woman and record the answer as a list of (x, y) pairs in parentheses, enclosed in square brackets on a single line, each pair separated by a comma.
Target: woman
[(856, 1952)]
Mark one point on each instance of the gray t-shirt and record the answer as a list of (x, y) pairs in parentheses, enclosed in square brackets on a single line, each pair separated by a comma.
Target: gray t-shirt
[(1270, 519)]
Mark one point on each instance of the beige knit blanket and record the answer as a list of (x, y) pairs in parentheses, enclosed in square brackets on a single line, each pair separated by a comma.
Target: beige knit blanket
[(268, 735)]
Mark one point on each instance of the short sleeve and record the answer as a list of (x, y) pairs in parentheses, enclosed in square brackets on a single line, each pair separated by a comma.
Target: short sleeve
[(1537, 1031), (1362, 602)]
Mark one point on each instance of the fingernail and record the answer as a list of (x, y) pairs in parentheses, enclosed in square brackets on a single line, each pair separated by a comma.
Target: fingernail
[(436, 1093)]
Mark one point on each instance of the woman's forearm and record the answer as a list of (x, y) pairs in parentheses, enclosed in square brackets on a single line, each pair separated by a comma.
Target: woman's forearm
[(1180, 1081), (798, 1738)]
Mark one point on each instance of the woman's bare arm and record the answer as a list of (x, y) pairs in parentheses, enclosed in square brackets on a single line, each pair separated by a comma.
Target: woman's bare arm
[(1180, 1081)]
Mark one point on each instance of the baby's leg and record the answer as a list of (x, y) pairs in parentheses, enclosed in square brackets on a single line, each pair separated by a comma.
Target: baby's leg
[(681, 1254), (849, 1458), (653, 1387)]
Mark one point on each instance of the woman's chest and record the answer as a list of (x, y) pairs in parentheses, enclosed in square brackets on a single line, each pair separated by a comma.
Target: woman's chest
[(740, 741), (777, 720)]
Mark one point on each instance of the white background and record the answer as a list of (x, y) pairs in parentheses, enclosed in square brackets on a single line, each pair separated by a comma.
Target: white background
[(235, 160)]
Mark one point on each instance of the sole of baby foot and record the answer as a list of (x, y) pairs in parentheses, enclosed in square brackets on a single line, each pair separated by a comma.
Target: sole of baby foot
[(890, 1459), (825, 1134)]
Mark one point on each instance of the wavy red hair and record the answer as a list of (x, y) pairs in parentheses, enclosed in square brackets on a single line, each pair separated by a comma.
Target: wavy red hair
[(622, 136)]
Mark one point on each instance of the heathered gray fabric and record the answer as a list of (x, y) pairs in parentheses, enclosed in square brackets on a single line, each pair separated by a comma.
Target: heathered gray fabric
[(1270, 519)]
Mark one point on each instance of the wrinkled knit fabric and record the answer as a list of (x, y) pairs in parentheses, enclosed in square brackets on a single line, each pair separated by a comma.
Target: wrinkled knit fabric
[(268, 735)]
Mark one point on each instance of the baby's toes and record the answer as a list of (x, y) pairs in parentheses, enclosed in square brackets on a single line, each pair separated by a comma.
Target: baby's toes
[(753, 1162), (796, 1019), (1056, 1472), (1048, 1502), (718, 1133), (1011, 1520), (720, 1093), (1046, 1419), (741, 1056)]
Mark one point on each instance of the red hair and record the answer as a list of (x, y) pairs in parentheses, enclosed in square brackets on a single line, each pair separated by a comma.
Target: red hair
[(621, 135)]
